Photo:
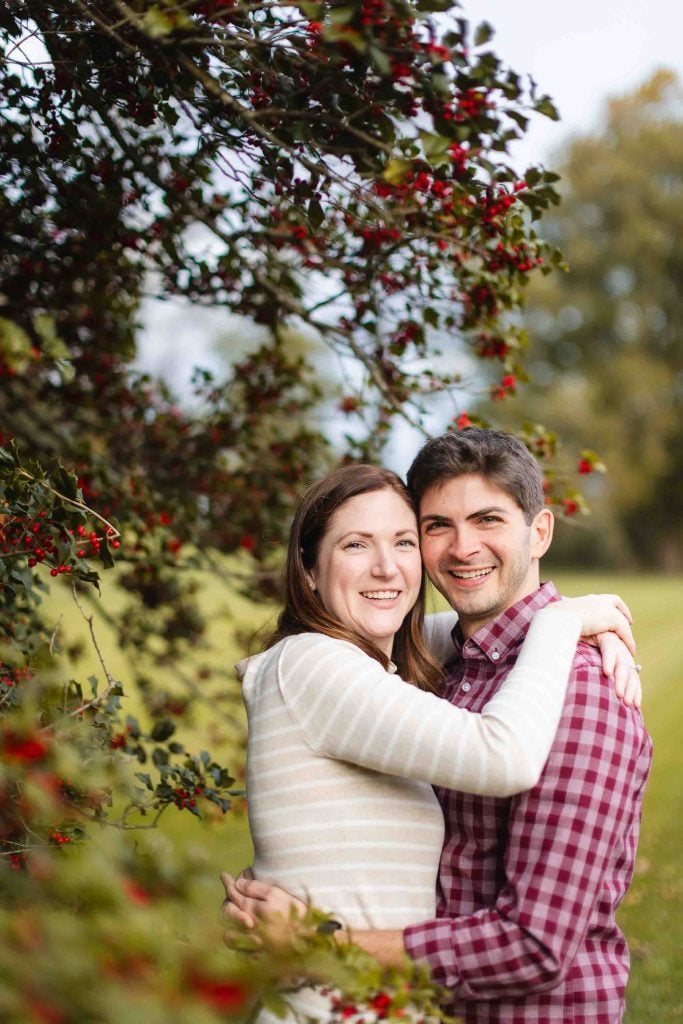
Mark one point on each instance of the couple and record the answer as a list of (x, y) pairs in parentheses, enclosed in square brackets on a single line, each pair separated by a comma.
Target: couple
[(529, 838)]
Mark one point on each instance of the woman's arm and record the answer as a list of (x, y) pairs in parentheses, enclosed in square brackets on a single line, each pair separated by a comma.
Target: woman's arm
[(612, 635), (350, 709)]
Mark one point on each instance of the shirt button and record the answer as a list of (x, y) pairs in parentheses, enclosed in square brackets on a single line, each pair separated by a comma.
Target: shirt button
[(466, 687), (495, 655)]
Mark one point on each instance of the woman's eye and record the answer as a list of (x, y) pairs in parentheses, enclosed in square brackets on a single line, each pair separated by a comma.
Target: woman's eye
[(407, 542), (351, 544)]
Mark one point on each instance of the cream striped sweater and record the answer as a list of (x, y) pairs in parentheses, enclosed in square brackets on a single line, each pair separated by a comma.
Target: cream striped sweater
[(341, 755)]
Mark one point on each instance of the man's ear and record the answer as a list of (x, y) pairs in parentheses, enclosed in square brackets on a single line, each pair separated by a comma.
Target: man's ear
[(542, 532)]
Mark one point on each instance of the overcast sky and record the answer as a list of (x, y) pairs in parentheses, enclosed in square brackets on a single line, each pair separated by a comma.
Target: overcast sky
[(580, 53)]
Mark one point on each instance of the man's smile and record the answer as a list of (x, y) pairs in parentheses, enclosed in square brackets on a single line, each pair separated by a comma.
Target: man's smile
[(471, 574)]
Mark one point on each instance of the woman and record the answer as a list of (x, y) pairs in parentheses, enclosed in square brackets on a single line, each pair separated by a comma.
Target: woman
[(342, 752)]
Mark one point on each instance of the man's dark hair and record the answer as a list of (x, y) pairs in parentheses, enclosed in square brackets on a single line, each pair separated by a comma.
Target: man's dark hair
[(499, 457)]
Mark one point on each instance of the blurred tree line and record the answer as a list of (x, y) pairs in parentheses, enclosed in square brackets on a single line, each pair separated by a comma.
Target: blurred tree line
[(607, 337)]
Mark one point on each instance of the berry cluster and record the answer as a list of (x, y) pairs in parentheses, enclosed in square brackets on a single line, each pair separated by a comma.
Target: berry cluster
[(24, 748), (13, 675), (59, 839), (516, 258), (43, 539), (507, 386), (491, 346), (184, 799)]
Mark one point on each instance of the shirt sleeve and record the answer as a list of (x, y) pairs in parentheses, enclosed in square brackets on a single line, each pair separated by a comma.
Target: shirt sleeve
[(349, 708), (563, 834)]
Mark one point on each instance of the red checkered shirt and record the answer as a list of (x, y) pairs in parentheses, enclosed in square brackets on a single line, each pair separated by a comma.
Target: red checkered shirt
[(528, 886)]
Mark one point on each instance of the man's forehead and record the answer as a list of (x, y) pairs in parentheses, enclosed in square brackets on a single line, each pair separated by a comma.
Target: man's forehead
[(465, 494)]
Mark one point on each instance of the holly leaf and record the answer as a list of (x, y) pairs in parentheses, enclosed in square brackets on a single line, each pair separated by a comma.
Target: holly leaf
[(316, 214), (483, 33)]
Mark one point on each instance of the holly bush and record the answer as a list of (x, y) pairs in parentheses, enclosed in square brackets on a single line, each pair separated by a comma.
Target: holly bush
[(334, 168)]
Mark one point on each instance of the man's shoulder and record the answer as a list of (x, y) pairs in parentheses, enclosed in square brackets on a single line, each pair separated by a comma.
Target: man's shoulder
[(587, 676), (591, 695)]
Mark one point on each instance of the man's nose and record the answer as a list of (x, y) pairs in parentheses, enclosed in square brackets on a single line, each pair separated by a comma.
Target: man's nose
[(464, 544)]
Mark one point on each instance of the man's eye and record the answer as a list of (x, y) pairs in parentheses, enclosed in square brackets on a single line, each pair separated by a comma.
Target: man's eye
[(433, 527), (490, 519)]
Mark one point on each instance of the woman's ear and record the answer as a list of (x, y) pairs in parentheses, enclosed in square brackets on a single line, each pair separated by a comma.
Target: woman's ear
[(310, 579)]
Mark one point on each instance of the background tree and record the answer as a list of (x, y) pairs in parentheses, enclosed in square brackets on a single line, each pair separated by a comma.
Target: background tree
[(608, 344), (327, 170)]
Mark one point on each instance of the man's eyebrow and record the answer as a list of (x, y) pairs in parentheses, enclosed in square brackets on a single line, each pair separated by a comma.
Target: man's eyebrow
[(434, 519), (480, 512), (494, 509)]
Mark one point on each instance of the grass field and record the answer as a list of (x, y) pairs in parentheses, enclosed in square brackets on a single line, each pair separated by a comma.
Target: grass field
[(652, 914)]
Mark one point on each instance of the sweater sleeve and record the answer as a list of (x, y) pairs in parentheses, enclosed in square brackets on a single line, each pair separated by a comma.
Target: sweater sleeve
[(437, 633), (350, 709)]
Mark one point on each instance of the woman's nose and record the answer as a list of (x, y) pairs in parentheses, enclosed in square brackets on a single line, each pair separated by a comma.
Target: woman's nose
[(385, 562)]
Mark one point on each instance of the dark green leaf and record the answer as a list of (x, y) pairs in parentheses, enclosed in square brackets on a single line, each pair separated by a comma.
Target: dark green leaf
[(483, 33), (162, 730), (316, 214)]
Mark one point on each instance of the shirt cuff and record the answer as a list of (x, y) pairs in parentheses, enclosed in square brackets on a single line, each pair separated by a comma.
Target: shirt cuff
[(431, 943)]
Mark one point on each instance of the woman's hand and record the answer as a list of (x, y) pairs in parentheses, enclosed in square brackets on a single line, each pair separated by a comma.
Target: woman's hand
[(617, 662), (249, 902), (602, 613), (606, 623)]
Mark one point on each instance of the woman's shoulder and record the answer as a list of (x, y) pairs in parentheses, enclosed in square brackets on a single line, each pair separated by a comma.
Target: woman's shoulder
[(305, 644), (298, 646)]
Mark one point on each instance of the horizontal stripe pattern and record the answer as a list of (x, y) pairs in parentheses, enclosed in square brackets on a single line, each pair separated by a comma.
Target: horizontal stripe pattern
[(332, 739)]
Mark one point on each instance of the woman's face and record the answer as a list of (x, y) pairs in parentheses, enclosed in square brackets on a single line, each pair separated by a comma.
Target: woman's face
[(368, 571)]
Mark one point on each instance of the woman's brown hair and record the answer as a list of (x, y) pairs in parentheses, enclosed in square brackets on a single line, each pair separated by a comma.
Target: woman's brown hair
[(304, 612)]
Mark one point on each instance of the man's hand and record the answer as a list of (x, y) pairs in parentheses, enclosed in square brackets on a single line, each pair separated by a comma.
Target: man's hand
[(249, 903)]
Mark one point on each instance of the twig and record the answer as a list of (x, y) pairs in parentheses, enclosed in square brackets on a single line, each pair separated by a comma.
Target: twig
[(111, 682), (111, 530), (53, 638)]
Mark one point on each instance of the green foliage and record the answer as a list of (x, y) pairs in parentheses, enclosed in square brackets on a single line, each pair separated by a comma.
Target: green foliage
[(335, 170)]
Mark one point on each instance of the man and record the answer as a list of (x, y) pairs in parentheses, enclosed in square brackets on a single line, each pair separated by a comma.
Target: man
[(528, 886)]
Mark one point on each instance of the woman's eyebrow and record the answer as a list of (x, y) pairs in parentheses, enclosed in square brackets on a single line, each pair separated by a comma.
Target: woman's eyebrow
[(363, 533)]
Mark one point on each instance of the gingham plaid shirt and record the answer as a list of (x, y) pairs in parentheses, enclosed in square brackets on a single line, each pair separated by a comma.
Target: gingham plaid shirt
[(528, 886)]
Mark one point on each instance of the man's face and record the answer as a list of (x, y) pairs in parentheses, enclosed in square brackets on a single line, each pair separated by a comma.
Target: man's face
[(478, 549)]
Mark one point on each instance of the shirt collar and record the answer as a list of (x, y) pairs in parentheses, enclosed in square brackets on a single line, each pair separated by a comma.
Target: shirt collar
[(500, 639)]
